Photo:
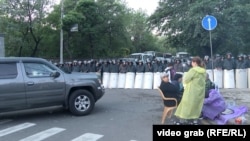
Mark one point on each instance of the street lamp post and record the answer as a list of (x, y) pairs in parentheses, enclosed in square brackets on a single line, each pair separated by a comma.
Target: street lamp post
[(2, 47), (61, 35)]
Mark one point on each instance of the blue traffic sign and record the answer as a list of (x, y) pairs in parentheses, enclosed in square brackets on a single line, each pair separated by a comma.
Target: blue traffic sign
[(209, 22)]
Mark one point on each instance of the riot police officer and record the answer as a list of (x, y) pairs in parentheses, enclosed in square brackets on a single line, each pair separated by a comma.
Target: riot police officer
[(229, 63), (240, 63), (148, 66), (140, 67), (218, 62), (208, 62)]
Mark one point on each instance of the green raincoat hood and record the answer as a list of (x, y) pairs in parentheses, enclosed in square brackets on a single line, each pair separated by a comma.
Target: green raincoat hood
[(199, 69)]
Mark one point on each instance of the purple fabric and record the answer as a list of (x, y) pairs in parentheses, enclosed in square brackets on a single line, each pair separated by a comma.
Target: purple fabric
[(238, 111), (213, 105)]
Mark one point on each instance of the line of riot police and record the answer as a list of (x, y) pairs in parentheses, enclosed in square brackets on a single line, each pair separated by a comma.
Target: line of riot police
[(179, 65), (123, 66), (225, 73), (229, 62), (228, 71)]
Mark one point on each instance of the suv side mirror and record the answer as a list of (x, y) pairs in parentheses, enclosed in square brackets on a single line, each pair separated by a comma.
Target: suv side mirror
[(55, 74)]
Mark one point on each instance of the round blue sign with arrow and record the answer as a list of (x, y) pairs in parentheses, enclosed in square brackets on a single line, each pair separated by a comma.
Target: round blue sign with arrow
[(209, 22)]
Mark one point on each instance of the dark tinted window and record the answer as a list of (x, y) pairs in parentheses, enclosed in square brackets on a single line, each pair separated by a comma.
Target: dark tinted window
[(167, 55), (158, 54), (8, 70)]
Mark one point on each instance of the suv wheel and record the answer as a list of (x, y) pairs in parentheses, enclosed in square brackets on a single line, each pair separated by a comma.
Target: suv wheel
[(81, 102)]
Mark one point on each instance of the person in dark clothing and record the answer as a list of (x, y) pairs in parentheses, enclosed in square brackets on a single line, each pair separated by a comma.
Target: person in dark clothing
[(98, 67), (209, 85), (123, 67), (154, 66), (186, 65), (76, 66), (92, 66), (240, 62), (106, 66), (61, 66), (177, 81), (84, 67), (170, 70), (148, 67), (208, 63), (178, 67), (248, 61), (218, 62), (140, 67), (168, 89), (229, 63), (68, 67), (114, 67), (131, 67)]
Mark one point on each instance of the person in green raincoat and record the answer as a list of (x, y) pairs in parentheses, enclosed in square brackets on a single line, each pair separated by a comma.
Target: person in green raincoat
[(194, 82)]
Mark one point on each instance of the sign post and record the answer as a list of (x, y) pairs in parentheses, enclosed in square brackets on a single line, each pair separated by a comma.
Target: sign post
[(61, 34), (209, 23)]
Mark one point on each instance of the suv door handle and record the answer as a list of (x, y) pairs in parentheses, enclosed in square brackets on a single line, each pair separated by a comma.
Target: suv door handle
[(30, 83)]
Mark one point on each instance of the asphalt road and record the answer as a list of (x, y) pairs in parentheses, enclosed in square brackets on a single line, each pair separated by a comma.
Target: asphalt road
[(121, 115)]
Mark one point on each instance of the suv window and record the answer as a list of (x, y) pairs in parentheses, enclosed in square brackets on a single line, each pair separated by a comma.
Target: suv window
[(37, 70), (8, 70)]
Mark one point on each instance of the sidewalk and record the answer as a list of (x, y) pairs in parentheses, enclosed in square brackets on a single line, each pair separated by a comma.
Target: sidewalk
[(241, 97)]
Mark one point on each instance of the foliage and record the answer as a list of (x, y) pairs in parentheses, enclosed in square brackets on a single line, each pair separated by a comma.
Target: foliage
[(109, 29), (104, 28), (180, 22), (25, 20)]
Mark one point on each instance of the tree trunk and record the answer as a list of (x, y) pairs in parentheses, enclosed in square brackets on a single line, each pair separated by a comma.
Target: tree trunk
[(34, 52), (20, 51), (37, 42)]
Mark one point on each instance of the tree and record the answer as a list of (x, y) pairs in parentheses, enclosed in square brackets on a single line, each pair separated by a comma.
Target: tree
[(26, 19), (105, 29), (117, 38), (102, 28), (180, 22), (142, 37)]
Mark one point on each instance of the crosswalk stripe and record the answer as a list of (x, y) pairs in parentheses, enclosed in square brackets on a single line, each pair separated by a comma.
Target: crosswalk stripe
[(88, 137), (15, 128), (5, 121), (44, 134)]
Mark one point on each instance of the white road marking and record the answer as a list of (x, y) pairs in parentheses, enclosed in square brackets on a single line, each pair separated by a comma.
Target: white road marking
[(15, 128), (88, 137), (44, 134)]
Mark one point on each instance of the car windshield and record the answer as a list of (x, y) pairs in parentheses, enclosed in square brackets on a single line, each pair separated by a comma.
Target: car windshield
[(167, 55), (158, 54), (139, 57), (183, 55)]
